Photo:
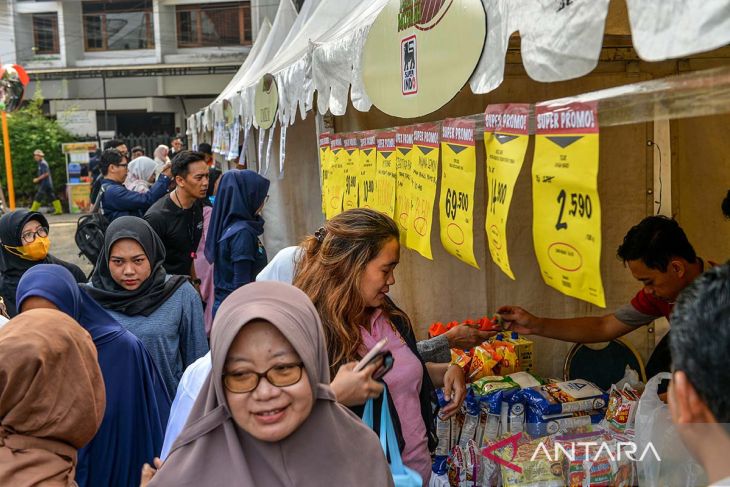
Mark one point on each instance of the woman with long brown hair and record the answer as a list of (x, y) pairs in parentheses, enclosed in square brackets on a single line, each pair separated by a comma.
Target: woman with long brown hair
[(347, 269)]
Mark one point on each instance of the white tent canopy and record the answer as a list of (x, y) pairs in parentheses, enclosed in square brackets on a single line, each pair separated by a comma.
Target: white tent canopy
[(320, 49)]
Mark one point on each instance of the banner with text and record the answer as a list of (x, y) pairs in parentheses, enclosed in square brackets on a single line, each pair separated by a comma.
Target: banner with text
[(423, 187), (458, 177), (351, 166), (404, 166), (336, 180), (366, 181), (505, 143), (566, 208), (325, 157), (385, 173)]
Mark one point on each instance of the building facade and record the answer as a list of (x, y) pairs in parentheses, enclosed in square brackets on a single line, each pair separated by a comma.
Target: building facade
[(132, 67)]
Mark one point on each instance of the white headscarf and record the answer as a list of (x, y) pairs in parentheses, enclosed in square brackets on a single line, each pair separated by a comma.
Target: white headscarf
[(140, 172)]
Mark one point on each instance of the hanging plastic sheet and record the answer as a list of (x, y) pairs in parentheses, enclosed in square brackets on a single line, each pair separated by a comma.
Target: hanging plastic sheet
[(694, 94), (269, 143), (243, 158), (260, 159), (665, 29), (233, 152), (282, 150)]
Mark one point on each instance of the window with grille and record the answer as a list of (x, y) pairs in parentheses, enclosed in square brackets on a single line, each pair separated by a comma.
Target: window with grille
[(118, 25), (45, 34), (214, 24)]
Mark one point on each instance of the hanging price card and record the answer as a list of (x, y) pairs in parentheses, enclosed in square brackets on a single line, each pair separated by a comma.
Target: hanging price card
[(366, 181), (423, 187), (458, 176), (567, 212), (351, 166), (325, 156), (404, 164), (336, 180), (505, 142), (385, 173)]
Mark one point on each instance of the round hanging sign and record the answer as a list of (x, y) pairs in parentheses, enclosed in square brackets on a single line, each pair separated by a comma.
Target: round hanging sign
[(420, 53)]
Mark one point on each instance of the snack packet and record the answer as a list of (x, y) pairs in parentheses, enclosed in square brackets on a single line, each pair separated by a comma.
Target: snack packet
[(508, 363), (460, 358), (565, 397), (472, 464), (536, 468), (524, 349), (621, 410), (483, 362), (488, 384), (538, 425), (471, 419)]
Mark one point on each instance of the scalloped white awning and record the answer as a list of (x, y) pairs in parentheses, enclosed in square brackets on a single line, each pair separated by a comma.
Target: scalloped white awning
[(320, 49)]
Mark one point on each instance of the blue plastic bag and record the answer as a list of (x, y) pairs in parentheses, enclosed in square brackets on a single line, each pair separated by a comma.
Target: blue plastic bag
[(402, 475)]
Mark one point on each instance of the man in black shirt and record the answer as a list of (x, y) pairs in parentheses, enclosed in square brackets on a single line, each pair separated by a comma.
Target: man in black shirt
[(178, 217)]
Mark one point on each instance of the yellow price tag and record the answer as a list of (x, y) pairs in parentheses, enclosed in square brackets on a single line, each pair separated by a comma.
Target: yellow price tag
[(567, 211), (505, 141), (458, 176), (423, 187), (336, 180), (404, 166), (325, 156), (366, 181), (385, 173), (351, 165)]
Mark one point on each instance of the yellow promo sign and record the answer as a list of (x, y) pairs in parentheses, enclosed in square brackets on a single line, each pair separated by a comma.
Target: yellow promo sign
[(567, 211), (325, 157), (423, 187), (385, 173), (458, 176), (419, 53), (404, 166), (351, 166), (366, 181), (336, 180), (505, 142)]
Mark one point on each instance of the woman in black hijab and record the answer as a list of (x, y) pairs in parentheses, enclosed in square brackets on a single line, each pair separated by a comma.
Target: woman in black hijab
[(25, 243), (162, 310)]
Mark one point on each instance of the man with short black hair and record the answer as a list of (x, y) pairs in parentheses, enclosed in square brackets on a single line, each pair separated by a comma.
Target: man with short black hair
[(178, 217), (699, 394), (137, 151), (116, 199), (206, 149), (176, 146), (109, 144), (658, 254)]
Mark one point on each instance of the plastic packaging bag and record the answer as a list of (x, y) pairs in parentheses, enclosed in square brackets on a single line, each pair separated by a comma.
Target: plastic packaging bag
[(656, 436)]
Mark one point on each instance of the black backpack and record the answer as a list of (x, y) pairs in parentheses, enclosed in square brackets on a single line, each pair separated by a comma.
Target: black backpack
[(90, 231)]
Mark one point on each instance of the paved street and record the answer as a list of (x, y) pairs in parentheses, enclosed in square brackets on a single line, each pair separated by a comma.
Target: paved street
[(63, 246)]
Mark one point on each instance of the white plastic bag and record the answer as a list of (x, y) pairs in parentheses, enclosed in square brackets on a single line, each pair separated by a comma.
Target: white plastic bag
[(656, 435)]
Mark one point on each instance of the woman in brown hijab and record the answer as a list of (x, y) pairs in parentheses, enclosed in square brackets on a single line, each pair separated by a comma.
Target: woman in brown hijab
[(266, 414), (51, 398)]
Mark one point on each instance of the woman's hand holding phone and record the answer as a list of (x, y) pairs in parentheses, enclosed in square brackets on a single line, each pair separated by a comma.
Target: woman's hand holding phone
[(354, 388)]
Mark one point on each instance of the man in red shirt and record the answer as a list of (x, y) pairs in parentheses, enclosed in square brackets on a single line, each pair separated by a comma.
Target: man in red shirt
[(659, 256)]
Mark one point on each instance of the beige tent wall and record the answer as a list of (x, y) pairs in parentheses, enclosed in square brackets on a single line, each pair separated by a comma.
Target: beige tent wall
[(294, 209), (701, 179)]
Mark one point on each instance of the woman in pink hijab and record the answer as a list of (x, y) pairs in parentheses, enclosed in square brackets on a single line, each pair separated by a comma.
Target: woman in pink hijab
[(266, 415)]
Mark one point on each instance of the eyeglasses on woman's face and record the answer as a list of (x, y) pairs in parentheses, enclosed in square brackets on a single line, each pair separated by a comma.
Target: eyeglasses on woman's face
[(30, 235), (281, 375)]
